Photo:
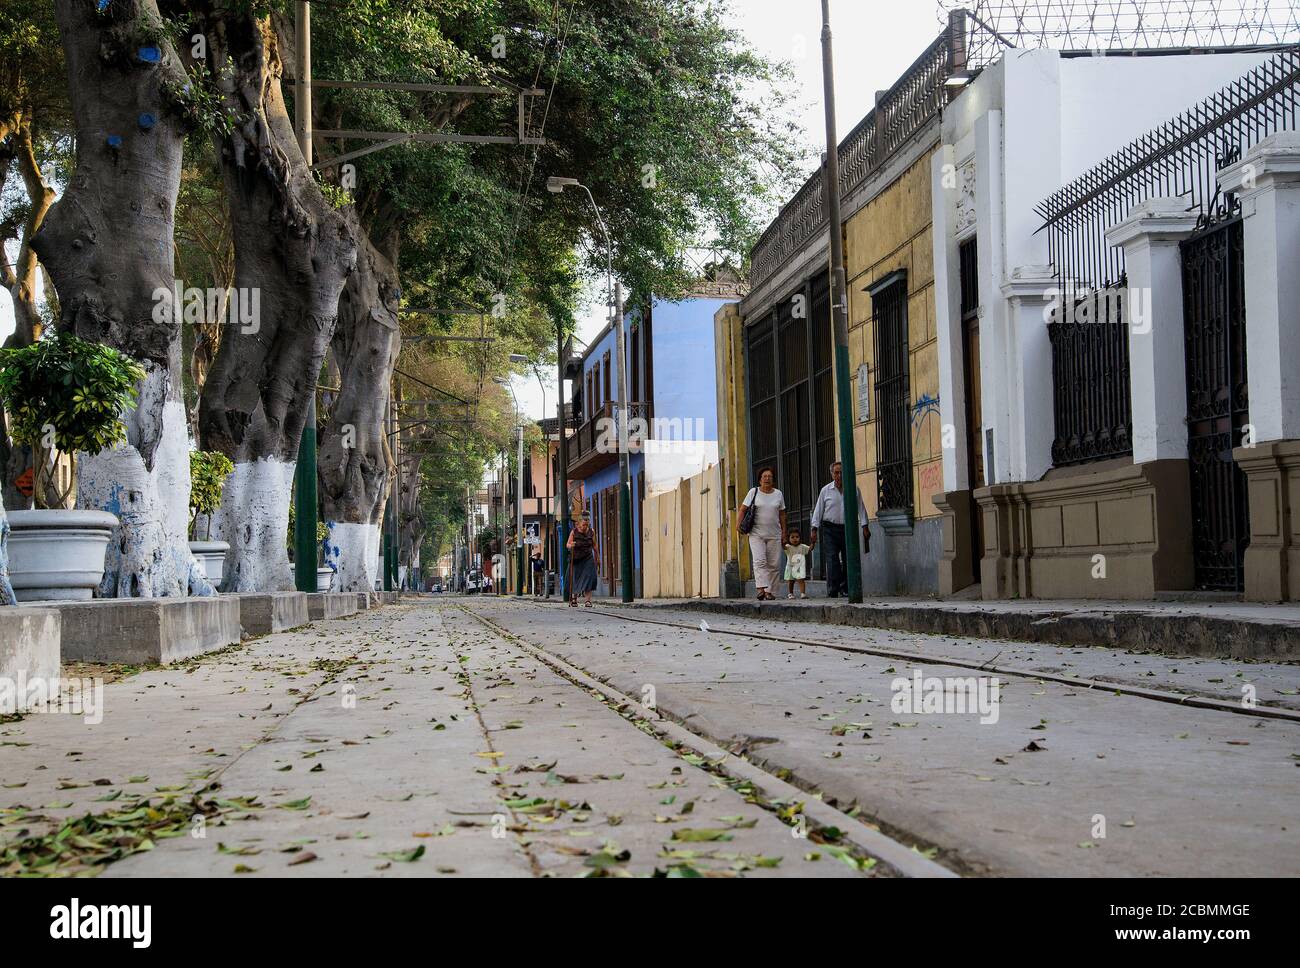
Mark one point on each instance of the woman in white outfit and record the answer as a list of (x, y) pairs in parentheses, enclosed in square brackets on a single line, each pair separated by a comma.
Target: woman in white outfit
[(766, 535)]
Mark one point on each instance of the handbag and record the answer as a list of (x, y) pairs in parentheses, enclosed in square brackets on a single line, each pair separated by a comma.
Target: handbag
[(747, 516)]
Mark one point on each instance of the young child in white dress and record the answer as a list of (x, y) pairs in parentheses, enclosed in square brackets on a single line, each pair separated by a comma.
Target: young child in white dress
[(796, 564)]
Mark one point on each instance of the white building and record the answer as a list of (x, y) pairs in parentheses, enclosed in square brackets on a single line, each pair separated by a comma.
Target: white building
[(1068, 471)]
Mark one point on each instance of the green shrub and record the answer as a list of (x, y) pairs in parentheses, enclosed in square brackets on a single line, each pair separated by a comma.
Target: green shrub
[(208, 473), (66, 395)]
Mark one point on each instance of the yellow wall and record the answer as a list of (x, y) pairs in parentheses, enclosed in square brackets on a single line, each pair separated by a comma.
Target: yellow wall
[(733, 419), (893, 231)]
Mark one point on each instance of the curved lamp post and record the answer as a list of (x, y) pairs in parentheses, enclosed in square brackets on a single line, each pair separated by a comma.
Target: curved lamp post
[(556, 185)]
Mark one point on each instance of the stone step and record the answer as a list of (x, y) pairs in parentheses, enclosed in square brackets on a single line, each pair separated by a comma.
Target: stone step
[(327, 605), (29, 643), (263, 613), (145, 631)]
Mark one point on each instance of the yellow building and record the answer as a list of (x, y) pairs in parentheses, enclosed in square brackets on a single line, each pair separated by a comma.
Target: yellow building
[(893, 352), (781, 389)]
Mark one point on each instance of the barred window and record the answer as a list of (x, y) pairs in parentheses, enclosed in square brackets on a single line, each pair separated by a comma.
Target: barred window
[(893, 395)]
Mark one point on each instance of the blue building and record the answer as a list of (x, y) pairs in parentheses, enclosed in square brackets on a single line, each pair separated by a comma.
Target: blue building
[(673, 424)]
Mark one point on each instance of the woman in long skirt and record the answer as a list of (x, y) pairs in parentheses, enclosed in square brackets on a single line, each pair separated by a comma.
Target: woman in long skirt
[(582, 560)]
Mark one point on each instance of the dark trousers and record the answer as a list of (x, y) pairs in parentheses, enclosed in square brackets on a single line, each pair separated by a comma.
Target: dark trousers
[(837, 576)]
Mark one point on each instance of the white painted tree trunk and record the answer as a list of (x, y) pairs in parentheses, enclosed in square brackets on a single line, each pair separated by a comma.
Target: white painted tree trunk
[(254, 520), (149, 556), (376, 545), (349, 551), (6, 590)]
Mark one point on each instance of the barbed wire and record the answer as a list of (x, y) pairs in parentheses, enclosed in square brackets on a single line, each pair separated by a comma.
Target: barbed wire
[(1135, 24)]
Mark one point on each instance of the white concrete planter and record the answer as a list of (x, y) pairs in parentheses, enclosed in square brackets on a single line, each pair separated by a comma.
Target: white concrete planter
[(58, 555), (323, 578), (212, 556)]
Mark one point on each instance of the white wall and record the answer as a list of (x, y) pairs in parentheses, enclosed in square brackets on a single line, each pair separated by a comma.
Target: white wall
[(669, 462), (1029, 125)]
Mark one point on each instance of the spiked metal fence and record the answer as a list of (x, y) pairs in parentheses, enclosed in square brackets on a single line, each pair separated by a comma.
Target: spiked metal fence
[(1181, 158), (900, 113)]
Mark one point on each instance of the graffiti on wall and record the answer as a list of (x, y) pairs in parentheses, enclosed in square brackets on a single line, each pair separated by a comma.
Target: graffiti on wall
[(925, 407)]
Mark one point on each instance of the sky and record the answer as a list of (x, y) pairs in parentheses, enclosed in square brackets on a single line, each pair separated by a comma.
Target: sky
[(875, 41)]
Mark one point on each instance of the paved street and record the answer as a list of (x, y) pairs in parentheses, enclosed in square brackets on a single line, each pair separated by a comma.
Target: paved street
[(449, 737), (1184, 791)]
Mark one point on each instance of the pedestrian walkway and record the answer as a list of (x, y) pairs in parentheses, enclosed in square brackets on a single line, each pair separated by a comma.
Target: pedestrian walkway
[(405, 741)]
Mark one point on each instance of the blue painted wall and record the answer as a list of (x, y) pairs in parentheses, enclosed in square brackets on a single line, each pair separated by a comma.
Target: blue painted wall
[(684, 387), (685, 375)]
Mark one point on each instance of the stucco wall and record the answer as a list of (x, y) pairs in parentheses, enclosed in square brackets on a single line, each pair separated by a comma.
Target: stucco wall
[(892, 232)]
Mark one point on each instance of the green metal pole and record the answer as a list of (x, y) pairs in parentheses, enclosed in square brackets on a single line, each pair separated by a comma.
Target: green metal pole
[(624, 457), (306, 511), (304, 527), (562, 495), (840, 322), (519, 510), (388, 544)]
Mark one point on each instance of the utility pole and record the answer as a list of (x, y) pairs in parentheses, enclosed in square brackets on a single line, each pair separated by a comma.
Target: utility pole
[(306, 511), (547, 560), (840, 321), (624, 458), (562, 504), (397, 495), (390, 513), (519, 511)]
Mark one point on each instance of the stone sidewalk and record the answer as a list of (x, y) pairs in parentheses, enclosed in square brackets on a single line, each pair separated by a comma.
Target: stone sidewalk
[(1183, 627), (406, 741)]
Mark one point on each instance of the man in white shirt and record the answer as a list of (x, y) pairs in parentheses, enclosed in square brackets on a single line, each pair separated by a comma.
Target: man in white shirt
[(828, 516)]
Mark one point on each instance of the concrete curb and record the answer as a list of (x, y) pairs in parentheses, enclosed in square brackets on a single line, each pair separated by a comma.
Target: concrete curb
[(1198, 635), (902, 859)]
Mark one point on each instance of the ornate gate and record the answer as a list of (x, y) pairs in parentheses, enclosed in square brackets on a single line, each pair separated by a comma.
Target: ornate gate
[(1214, 327)]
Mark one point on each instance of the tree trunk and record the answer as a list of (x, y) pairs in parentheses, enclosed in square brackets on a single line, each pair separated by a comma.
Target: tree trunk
[(354, 465), (21, 277), (107, 246), (293, 253)]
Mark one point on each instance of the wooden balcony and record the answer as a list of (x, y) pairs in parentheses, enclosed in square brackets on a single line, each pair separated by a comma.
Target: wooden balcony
[(595, 444)]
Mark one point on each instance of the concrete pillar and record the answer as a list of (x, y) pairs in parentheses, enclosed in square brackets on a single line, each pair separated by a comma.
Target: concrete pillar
[(1030, 291), (1268, 181), (945, 187), (1153, 309)]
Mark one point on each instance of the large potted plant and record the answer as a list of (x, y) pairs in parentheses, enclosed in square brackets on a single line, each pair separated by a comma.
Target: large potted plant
[(324, 573), (64, 396), (208, 473)]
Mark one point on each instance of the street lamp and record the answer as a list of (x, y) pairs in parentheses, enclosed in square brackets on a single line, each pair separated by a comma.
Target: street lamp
[(546, 513), (519, 486), (556, 185)]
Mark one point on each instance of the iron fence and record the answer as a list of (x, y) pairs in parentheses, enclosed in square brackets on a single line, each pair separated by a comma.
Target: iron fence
[(904, 110), (1181, 158), (1091, 402)]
